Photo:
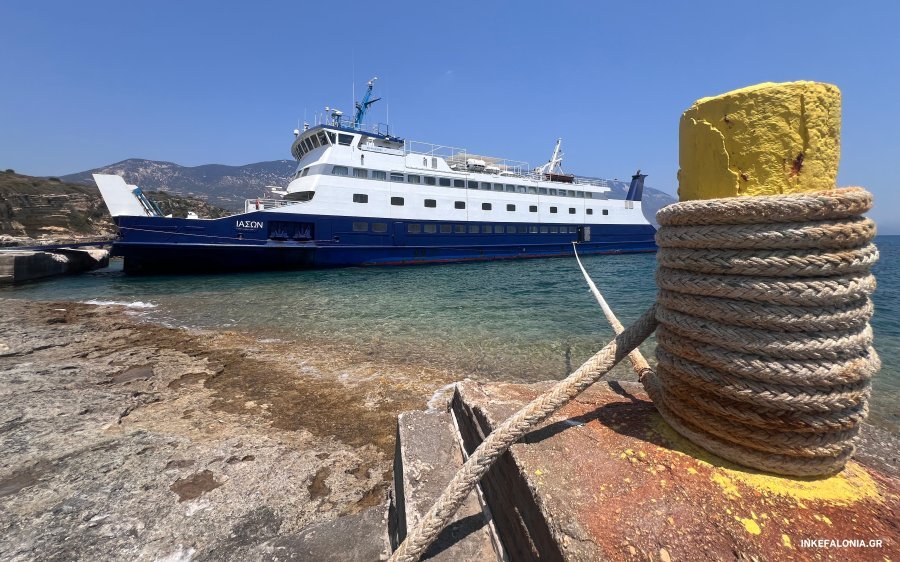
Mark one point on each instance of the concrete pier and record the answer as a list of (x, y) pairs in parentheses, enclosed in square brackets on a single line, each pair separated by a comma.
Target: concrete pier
[(605, 478), (17, 266)]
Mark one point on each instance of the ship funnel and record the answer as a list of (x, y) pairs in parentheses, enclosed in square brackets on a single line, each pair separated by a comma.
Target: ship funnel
[(636, 189)]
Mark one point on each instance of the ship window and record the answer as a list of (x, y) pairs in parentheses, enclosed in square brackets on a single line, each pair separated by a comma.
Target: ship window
[(589, 211), (532, 209), (360, 227), (339, 170), (300, 196), (430, 203), (498, 229), (542, 191), (510, 207), (554, 230), (552, 209), (522, 229), (380, 227), (572, 230), (446, 228), (599, 195), (360, 198), (473, 229), (444, 182), (571, 210), (459, 183), (533, 229), (330, 136), (486, 229), (498, 187), (360, 173), (544, 230), (379, 175), (532, 189), (579, 194), (552, 191), (323, 140), (459, 205), (430, 228), (485, 206), (605, 211), (315, 141), (414, 228), (521, 189), (429, 180), (571, 193), (459, 228), (304, 172), (345, 139), (434, 162), (396, 177), (473, 185), (307, 144), (511, 189), (485, 186), (398, 201), (413, 179)]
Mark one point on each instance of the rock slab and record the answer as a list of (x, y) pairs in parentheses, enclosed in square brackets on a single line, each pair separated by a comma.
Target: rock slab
[(605, 478), (427, 457)]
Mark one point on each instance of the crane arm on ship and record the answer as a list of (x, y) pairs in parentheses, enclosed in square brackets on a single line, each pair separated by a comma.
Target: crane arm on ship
[(363, 106)]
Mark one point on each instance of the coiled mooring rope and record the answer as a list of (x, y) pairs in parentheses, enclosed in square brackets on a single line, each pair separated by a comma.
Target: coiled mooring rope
[(764, 348), (763, 344)]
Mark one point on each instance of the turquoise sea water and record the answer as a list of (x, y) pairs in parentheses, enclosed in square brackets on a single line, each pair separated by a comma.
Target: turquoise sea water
[(516, 320)]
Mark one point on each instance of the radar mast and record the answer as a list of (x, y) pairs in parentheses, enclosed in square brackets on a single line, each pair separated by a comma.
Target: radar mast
[(363, 106)]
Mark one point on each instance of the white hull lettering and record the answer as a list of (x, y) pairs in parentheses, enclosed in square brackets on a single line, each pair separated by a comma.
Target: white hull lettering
[(249, 224)]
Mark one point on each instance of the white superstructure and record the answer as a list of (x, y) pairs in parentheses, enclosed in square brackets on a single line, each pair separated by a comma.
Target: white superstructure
[(345, 171)]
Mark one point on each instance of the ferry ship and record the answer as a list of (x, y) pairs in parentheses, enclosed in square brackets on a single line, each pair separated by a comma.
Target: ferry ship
[(362, 196)]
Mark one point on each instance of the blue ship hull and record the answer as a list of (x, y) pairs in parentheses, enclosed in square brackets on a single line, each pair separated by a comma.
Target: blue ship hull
[(266, 240)]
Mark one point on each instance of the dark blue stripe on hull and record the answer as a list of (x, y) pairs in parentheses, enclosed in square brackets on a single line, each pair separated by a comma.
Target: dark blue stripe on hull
[(149, 258), (260, 241)]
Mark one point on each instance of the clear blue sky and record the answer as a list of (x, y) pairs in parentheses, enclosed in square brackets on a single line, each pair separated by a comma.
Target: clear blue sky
[(90, 83)]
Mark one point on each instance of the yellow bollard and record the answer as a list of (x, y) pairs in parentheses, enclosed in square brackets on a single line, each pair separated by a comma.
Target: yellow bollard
[(766, 139)]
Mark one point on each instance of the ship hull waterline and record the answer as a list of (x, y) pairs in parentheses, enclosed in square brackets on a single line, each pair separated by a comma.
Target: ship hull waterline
[(167, 245)]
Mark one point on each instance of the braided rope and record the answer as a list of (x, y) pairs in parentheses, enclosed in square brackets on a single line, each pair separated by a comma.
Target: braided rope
[(764, 354), (764, 347), (510, 431)]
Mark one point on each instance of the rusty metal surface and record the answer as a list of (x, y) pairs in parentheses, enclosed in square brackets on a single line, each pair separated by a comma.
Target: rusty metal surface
[(613, 481)]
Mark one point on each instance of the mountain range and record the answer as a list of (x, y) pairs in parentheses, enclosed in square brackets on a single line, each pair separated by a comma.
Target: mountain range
[(228, 186)]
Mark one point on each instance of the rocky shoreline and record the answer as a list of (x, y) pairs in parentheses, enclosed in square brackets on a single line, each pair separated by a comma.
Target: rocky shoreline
[(125, 439)]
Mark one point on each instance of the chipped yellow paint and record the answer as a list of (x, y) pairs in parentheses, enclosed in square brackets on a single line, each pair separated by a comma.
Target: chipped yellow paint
[(727, 485), (786, 541), (692, 470), (752, 526), (642, 454), (765, 139), (826, 520), (539, 472), (851, 485)]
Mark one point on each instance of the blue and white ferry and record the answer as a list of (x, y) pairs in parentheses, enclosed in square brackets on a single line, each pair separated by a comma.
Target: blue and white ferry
[(361, 196)]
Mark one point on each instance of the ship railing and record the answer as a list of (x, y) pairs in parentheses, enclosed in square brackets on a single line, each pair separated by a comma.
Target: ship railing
[(264, 204), (457, 158), (347, 123)]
